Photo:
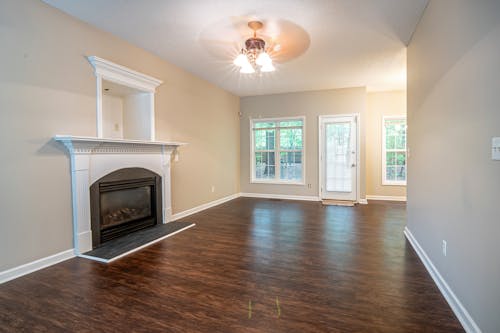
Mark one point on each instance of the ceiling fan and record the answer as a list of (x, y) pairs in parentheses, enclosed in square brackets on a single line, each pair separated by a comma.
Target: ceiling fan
[(254, 56)]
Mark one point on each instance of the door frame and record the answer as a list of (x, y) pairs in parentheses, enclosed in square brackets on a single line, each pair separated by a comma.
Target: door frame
[(358, 151)]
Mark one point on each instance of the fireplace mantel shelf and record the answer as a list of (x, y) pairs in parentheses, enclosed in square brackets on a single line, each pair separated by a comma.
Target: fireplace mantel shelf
[(84, 144)]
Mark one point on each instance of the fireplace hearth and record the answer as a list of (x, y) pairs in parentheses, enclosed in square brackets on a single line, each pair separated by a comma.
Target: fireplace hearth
[(123, 202)]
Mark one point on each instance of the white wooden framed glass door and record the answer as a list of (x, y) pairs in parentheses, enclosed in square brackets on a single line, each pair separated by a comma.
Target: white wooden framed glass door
[(338, 147)]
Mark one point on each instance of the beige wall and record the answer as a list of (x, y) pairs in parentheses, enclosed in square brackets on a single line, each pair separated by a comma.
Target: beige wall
[(453, 185), (310, 104), (47, 87), (379, 104)]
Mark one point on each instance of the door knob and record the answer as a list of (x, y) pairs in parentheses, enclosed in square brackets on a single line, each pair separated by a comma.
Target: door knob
[(353, 165)]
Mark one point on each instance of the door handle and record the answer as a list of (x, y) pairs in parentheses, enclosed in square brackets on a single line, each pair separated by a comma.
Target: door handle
[(353, 165)]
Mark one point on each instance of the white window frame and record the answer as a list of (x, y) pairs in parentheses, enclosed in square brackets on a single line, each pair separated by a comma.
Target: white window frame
[(277, 152), (384, 153)]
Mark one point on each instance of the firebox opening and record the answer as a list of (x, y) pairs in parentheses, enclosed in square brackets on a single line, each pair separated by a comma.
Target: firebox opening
[(123, 202)]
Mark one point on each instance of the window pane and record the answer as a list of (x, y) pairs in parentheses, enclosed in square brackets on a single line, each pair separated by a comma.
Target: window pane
[(291, 123), (390, 142), (264, 165), (291, 138), (401, 141), (390, 173), (401, 158), (264, 139), (390, 129), (291, 165), (395, 126), (390, 158), (401, 173), (264, 124), (395, 138)]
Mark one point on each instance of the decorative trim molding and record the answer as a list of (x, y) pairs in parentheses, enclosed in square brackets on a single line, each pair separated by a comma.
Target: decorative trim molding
[(460, 311), (280, 196), (36, 265), (123, 75), (363, 202), (385, 198), (136, 249), (93, 145), (204, 206)]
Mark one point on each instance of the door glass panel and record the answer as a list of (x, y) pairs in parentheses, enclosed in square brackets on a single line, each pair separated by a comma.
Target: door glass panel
[(338, 157)]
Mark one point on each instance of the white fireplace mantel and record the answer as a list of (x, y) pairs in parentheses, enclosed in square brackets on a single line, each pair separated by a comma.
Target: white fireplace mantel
[(92, 158)]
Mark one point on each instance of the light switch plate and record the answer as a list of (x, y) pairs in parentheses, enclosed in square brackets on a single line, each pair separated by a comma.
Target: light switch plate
[(495, 149)]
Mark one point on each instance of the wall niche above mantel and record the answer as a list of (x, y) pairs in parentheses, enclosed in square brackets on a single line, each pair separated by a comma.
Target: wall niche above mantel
[(124, 101)]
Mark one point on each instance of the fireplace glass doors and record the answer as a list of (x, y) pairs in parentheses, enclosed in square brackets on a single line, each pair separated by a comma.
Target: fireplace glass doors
[(123, 202), (123, 206)]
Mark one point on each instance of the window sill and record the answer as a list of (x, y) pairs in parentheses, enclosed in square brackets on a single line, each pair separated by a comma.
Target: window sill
[(277, 182), (393, 183)]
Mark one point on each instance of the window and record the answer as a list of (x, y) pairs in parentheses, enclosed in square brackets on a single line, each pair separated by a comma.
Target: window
[(394, 150), (277, 150)]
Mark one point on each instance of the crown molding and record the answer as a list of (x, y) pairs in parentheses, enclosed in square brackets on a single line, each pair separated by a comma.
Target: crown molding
[(110, 71)]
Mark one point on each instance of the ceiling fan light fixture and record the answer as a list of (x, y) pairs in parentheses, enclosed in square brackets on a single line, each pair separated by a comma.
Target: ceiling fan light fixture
[(254, 56), (247, 69), (241, 60), (263, 59)]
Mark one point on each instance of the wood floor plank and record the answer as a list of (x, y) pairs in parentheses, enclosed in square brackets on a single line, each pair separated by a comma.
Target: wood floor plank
[(333, 269)]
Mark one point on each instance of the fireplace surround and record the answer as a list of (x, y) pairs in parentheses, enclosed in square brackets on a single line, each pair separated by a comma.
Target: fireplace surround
[(93, 158)]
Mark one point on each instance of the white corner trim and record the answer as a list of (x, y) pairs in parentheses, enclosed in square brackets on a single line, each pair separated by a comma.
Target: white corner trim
[(363, 202), (36, 265), (280, 196), (135, 249), (460, 311), (204, 206), (385, 198)]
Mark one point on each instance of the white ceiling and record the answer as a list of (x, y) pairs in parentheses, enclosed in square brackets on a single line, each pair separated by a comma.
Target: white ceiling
[(325, 44)]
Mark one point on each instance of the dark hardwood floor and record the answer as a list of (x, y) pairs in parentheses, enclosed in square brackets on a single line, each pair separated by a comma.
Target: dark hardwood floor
[(299, 266)]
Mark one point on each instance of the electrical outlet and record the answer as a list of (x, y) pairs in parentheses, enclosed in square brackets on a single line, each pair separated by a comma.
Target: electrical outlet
[(444, 247), (213, 188)]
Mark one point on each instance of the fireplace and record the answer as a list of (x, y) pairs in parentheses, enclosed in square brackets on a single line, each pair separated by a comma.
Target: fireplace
[(124, 201)]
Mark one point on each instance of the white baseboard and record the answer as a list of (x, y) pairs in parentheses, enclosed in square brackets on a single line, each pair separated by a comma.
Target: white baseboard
[(36, 265), (280, 196), (460, 311), (385, 198), (363, 202), (207, 205)]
